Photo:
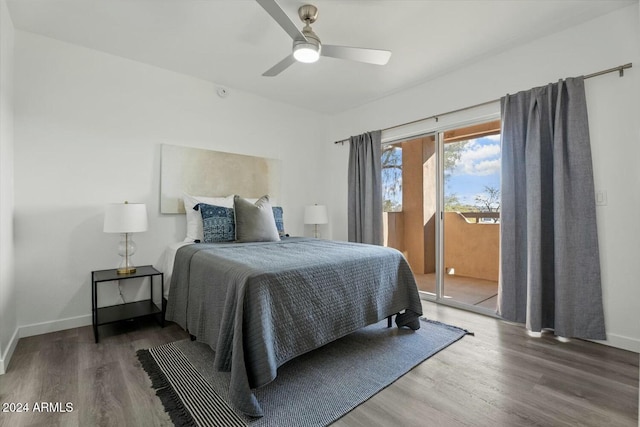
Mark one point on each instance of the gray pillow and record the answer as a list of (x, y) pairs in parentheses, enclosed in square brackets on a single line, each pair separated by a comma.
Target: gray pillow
[(255, 222)]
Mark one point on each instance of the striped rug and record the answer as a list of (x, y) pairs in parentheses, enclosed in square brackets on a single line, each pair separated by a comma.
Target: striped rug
[(188, 398), (314, 389)]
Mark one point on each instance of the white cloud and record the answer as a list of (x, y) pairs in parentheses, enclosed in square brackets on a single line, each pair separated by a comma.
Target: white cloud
[(486, 167), (479, 159), (477, 152)]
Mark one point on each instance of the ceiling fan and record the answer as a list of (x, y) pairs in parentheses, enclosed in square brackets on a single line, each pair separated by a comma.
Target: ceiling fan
[(306, 44)]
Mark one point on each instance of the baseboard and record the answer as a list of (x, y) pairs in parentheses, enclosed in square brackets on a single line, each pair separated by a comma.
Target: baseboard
[(55, 326), (621, 341), (6, 357), (39, 329)]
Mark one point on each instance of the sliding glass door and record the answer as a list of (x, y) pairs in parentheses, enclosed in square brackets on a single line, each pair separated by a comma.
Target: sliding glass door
[(442, 203), (471, 214)]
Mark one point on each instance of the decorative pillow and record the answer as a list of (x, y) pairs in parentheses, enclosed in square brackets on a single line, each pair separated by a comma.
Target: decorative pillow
[(194, 219), (217, 223), (255, 222), (277, 214), (278, 217)]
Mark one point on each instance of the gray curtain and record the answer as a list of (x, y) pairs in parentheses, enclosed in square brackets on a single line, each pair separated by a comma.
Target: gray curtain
[(549, 261), (365, 189)]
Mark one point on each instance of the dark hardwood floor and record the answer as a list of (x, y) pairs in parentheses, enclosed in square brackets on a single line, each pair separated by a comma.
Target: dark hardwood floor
[(104, 381), (499, 377)]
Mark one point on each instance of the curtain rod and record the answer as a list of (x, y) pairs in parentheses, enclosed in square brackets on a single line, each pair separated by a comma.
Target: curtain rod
[(620, 69)]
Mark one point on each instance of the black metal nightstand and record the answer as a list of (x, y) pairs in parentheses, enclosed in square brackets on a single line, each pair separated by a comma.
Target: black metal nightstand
[(130, 310)]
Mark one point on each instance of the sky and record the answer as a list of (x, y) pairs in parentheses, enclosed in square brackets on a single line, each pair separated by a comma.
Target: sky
[(479, 166)]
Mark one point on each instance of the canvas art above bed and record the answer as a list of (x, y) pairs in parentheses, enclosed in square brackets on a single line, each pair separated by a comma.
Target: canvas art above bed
[(213, 173)]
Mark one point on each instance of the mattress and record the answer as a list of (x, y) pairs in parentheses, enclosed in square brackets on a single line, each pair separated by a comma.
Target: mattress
[(165, 264)]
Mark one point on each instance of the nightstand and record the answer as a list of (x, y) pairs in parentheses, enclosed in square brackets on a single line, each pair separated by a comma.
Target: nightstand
[(130, 310)]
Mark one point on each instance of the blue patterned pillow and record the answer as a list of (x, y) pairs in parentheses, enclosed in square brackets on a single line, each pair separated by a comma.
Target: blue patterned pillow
[(218, 223), (278, 216)]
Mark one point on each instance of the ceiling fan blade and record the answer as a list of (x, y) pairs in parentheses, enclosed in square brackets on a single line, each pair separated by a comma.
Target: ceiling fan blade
[(281, 18), (360, 54), (280, 66)]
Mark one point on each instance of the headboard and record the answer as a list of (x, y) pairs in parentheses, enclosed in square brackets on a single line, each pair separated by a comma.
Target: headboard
[(209, 173)]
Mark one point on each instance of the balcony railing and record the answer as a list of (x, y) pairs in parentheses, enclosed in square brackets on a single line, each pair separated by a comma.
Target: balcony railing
[(471, 250), (494, 217)]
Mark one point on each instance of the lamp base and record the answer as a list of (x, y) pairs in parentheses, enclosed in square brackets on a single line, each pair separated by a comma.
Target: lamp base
[(126, 248), (126, 270)]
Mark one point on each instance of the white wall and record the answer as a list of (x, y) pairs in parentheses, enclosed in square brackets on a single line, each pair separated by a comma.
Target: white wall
[(614, 108), (88, 132), (7, 285)]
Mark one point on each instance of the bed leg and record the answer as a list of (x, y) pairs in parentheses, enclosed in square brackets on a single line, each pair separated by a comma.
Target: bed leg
[(389, 321), (192, 337)]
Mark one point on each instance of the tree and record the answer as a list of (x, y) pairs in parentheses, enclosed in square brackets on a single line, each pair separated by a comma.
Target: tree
[(452, 153), (489, 201), (392, 178), (451, 202)]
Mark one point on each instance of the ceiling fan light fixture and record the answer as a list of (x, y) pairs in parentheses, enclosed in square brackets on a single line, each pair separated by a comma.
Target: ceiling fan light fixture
[(306, 52), (306, 44)]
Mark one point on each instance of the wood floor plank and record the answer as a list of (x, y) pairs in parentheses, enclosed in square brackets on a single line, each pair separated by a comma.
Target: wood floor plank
[(102, 400), (499, 377), (149, 410)]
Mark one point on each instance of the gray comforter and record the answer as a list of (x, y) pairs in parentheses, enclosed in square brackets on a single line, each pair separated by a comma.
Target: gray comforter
[(259, 305)]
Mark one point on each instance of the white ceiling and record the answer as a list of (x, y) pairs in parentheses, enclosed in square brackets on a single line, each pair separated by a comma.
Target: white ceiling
[(232, 42)]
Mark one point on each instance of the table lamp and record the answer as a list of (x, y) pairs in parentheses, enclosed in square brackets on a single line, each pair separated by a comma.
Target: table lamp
[(316, 214), (126, 218)]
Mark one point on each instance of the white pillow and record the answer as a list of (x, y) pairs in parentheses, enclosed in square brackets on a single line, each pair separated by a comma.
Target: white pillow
[(194, 219)]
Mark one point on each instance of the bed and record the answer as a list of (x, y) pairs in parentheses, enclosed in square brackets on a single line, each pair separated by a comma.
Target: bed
[(260, 304)]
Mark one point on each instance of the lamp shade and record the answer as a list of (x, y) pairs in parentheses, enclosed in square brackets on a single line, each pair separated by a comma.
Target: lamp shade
[(125, 218), (316, 214)]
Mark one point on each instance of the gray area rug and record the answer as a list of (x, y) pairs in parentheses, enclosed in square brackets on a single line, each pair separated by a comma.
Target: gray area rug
[(314, 389)]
